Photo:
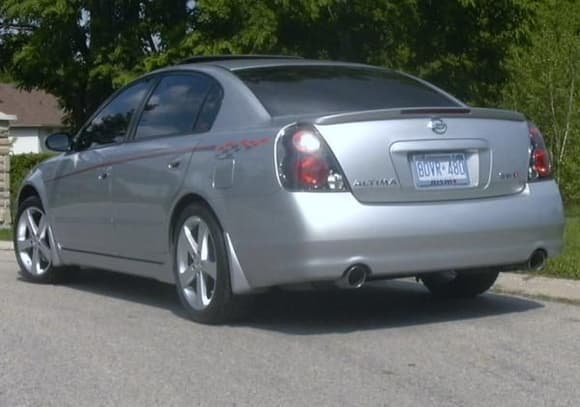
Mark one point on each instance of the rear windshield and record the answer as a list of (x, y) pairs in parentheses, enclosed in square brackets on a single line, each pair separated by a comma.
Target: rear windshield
[(292, 90)]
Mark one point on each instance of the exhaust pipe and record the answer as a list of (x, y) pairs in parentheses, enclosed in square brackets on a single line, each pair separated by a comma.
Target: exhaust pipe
[(537, 260), (354, 277)]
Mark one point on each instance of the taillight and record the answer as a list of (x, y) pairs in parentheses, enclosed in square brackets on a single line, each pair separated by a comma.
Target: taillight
[(312, 172), (305, 163), (540, 165)]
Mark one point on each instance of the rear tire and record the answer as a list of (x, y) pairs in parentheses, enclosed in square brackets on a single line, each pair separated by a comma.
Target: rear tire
[(201, 267), (459, 285)]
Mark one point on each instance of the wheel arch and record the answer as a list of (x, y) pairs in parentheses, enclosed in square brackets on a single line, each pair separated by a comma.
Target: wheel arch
[(239, 282), (26, 192), (182, 203)]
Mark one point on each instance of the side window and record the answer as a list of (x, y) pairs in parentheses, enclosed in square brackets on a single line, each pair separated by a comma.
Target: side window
[(111, 124), (210, 109), (173, 106)]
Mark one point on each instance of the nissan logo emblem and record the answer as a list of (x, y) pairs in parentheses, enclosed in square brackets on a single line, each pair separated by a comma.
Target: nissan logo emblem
[(438, 126)]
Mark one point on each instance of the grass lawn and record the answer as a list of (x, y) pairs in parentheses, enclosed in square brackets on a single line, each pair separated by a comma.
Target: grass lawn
[(568, 264), (6, 234)]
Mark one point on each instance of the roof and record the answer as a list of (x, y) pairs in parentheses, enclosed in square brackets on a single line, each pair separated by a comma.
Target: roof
[(34, 108), (7, 117), (258, 61), (216, 58)]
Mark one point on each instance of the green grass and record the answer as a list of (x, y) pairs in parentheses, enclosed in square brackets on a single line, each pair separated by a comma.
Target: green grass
[(568, 264), (6, 234), (573, 211)]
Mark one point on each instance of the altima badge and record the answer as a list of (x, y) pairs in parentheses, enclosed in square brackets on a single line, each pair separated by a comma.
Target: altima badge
[(374, 183), (505, 176), (437, 125)]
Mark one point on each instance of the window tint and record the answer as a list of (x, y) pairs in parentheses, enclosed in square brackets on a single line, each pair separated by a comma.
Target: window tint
[(289, 90), (173, 106), (210, 109), (111, 124)]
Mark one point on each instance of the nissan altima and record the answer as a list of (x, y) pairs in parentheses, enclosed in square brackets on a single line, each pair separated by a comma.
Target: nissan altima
[(226, 176)]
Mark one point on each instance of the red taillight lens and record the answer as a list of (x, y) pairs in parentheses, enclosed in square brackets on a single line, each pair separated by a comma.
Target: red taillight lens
[(541, 160), (312, 171), (305, 162), (540, 165)]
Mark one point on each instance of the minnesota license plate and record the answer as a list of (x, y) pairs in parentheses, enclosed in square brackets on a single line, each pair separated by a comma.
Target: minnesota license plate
[(440, 169)]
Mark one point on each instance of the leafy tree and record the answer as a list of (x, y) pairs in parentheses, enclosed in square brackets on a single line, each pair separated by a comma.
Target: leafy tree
[(545, 84), (11, 40), (80, 50), (462, 45), (459, 44)]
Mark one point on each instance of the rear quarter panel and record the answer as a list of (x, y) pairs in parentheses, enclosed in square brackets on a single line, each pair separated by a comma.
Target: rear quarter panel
[(232, 171)]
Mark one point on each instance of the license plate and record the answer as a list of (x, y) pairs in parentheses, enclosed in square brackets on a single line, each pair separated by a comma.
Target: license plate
[(433, 170)]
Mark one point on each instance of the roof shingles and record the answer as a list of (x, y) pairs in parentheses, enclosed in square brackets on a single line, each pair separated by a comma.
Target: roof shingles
[(33, 108)]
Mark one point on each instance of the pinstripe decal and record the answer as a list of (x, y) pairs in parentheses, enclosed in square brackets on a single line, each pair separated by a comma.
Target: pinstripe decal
[(226, 149)]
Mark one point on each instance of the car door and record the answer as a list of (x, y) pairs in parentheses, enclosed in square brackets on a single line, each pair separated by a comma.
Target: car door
[(151, 167), (81, 191)]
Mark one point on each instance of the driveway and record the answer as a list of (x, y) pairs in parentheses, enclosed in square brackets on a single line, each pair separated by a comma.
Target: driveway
[(104, 339)]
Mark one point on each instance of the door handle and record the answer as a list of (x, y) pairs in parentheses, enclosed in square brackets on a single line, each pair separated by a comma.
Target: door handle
[(174, 164), (105, 174)]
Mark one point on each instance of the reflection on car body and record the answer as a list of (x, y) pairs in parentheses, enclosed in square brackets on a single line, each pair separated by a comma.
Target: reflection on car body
[(233, 175)]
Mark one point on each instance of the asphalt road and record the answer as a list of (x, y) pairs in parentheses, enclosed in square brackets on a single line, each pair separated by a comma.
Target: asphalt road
[(105, 339)]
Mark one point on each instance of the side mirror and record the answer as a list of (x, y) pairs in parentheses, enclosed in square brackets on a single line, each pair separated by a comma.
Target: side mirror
[(59, 142)]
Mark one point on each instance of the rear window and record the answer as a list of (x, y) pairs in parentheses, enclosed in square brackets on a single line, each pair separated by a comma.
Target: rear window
[(291, 90)]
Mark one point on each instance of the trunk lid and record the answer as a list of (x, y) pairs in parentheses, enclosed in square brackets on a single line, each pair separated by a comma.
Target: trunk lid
[(420, 155)]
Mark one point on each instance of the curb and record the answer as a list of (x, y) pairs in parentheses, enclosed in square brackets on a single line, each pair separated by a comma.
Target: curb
[(6, 245), (534, 286)]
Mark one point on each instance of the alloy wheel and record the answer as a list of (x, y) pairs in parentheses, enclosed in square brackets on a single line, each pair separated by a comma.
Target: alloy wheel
[(33, 243), (196, 262)]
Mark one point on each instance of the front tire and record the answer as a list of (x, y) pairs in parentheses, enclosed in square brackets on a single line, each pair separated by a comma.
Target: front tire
[(451, 284), (33, 243), (201, 267)]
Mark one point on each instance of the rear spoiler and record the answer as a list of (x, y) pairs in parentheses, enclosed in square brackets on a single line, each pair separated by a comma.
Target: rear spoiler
[(411, 113)]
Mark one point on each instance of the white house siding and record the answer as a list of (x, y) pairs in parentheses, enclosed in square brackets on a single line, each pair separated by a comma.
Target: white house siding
[(36, 114), (29, 139)]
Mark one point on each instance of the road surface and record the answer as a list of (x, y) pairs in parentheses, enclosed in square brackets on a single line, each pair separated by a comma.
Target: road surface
[(104, 339)]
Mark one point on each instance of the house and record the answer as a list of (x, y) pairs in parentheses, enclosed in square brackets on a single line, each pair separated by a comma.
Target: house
[(38, 115)]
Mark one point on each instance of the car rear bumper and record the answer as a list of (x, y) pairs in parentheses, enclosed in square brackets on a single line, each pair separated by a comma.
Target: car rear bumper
[(306, 237)]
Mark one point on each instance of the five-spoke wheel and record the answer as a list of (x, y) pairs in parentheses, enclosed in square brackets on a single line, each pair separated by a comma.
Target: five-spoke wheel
[(33, 242), (201, 267), (196, 262)]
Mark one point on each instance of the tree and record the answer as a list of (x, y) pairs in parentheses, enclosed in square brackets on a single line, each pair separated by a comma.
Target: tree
[(458, 44), (12, 38), (545, 84), (462, 45), (80, 50)]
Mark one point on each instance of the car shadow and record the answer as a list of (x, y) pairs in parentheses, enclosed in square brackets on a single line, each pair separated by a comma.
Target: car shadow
[(378, 305)]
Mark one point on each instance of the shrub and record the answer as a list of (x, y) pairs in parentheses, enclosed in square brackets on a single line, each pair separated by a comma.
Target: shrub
[(544, 84), (20, 166)]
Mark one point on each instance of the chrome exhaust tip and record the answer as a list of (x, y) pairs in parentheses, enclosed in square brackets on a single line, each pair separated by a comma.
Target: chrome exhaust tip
[(354, 277), (537, 261)]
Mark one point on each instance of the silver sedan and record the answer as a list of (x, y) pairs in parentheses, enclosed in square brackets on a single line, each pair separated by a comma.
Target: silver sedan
[(229, 175)]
